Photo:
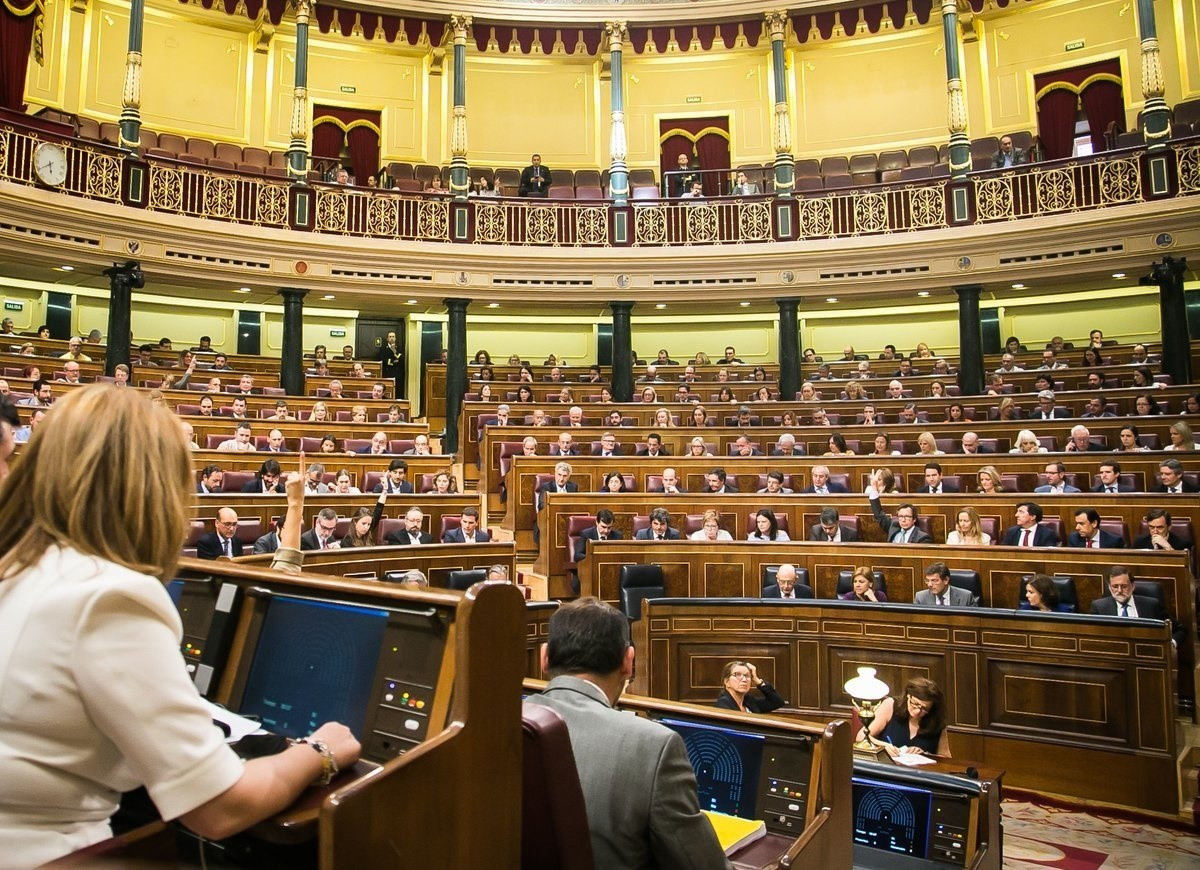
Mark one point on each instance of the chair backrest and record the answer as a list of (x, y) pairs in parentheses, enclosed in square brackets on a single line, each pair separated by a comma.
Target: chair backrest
[(554, 825), (639, 582), (845, 582), (769, 578), (464, 580), (250, 530), (969, 580)]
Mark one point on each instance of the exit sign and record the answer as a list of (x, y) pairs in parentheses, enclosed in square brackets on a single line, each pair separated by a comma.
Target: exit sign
[(1074, 46), (691, 99), (13, 306), (349, 89), (337, 333)]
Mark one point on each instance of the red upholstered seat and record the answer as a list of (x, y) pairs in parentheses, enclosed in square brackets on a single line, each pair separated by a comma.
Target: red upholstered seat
[(554, 825)]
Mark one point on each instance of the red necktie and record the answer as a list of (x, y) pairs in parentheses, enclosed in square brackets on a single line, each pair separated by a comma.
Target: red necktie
[(1025, 538), (1089, 543)]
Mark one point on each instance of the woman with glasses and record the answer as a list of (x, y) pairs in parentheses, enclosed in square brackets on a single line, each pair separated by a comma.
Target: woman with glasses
[(741, 680), (913, 723)]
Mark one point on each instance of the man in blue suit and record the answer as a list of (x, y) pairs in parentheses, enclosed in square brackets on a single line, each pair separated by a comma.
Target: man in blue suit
[(468, 531), (602, 531), (660, 528), (1029, 531), (1088, 533), (1056, 482), (785, 585)]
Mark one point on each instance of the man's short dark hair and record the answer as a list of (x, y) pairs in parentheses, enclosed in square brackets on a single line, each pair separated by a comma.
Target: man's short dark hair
[(909, 506), (207, 338), (829, 516), (1119, 571), (270, 466), (604, 515), (327, 514), (397, 463), (586, 636), (469, 512), (1058, 466), (775, 474), (655, 436), (1113, 464), (1092, 514), (1174, 464), (939, 568), (933, 465), (661, 514), (1158, 514), (242, 425), (720, 473), (146, 348), (1033, 508), (38, 384)]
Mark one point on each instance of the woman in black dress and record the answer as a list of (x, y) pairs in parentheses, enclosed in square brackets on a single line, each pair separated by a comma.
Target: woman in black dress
[(739, 679), (914, 722)]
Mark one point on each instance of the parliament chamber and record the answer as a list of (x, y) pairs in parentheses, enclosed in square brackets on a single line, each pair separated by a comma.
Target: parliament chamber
[(580, 273)]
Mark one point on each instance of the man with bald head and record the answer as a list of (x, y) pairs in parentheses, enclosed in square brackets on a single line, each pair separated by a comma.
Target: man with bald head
[(223, 541), (785, 585)]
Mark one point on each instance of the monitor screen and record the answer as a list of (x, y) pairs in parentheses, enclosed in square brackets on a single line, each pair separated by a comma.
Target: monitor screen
[(891, 817), (196, 601), (315, 662), (727, 765)]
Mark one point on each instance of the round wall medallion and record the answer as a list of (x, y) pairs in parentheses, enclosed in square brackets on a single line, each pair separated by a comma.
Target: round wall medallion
[(462, 278), (622, 280), (787, 277), (300, 267), (133, 246), (964, 264), (1164, 240)]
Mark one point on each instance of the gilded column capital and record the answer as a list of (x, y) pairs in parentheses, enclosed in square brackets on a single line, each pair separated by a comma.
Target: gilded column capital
[(1152, 73), (949, 7), (303, 10), (616, 32), (957, 109), (460, 24), (776, 23), (131, 91), (300, 114), (458, 132)]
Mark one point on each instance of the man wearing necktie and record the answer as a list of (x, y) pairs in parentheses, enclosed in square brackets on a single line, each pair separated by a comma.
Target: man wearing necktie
[(535, 178), (1029, 530), (320, 536), (222, 541), (1170, 476), (939, 593), (901, 530), (1056, 481), (1088, 533), (660, 528), (785, 586), (934, 485), (1123, 601), (1109, 478), (821, 484)]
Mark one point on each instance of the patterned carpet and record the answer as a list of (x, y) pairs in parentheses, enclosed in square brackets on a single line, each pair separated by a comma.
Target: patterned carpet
[(1042, 833)]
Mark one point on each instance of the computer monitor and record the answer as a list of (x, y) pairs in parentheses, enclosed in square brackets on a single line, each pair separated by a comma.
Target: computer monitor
[(750, 772), (314, 663), (206, 609), (910, 819)]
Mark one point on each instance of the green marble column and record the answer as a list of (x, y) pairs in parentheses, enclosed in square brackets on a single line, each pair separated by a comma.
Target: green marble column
[(298, 151), (785, 162), (618, 172), (1156, 119), (460, 182), (131, 90), (960, 144)]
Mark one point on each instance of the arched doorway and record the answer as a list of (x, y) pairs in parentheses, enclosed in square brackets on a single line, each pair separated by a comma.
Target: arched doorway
[(358, 129), (704, 140)]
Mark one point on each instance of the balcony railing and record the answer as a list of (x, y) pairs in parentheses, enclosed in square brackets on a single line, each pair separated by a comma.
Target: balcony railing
[(1114, 178)]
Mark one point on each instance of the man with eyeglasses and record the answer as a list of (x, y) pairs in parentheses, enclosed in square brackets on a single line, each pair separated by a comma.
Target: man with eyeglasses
[(1123, 601), (223, 540), (901, 530), (320, 536)]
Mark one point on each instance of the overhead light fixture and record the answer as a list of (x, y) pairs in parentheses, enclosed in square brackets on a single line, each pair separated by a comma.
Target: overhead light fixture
[(412, 302), (831, 299), (1118, 274), (661, 305), (328, 296), (242, 290), (1018, 286), (66, 268), (493, 305), (744, 304), (922, 293)]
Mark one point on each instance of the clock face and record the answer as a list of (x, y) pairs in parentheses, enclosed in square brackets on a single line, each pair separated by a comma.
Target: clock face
[(50, 163)]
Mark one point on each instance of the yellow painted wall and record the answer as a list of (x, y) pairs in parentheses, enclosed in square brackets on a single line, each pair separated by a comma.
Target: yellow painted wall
[(837, 112), (752, 337), (517, 106), (534, 340), (316, 331), (859, 94), (734, 85), (33, 311)]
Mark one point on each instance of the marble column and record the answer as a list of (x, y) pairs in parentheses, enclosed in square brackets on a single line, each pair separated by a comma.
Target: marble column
[(785, 162), (1176, 343), (298, 151), (291, 360), (460, 182), (970, 340), (789, 348), (622, 352), (456, 369)]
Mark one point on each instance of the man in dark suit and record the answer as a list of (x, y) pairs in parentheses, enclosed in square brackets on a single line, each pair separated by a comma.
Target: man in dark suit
[(1110, 478), (654, 446), (787, 446), (1159, 536), (901, 530), (971, 445), (1123, 601), (267, 480), (1029, 531), (566, 445), (1088, 533), (671, 485), (1096, 408), (638, 785), (660, 528), (320, 536), (468, 530), (1081, 441), (377, 447), (716, 483), (1170, 478), (821, 485), (829, 530), (1045, 409), (562, 483), (743, 447), (1056, 481), (396, 480), (602, 531), (223, 541), (785, 585), (211, 478), (934, 485), (939, 593), (608, 445), (411, 534)]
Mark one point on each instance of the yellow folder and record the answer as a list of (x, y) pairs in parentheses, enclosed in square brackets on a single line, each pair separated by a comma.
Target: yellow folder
[(733, 833)]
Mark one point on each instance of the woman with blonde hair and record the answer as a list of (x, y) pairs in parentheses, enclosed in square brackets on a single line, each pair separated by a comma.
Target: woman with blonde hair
[(358, 414), (968, 529), (444, 483), (854, 391), (697, 447), (989, 480), (927, 445), (884, 480), (702, 359), (1008, 409), (663, 419), (710, 529), (320, 413), (1027, 442), (84, 609), (1181, 437)]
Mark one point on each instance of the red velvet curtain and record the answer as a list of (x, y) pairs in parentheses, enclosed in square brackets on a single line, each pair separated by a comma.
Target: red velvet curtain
[(1056, 122), (1103, 104), (710, 150), (16, 40), (362, 139)]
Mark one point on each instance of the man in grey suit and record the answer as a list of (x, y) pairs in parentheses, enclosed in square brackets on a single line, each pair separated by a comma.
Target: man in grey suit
[(939, 593), (638, 785)]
